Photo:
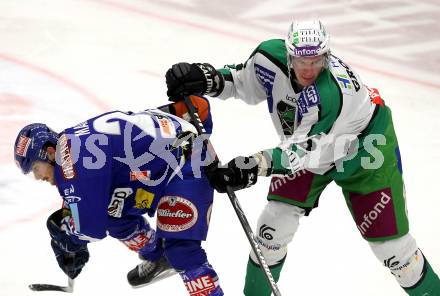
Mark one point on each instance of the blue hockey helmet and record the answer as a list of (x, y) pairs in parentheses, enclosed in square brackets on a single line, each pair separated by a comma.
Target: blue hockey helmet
[(31, 144)]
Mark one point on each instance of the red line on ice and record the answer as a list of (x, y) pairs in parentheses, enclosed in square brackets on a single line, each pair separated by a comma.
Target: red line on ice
[(81, 90), (161, 17)]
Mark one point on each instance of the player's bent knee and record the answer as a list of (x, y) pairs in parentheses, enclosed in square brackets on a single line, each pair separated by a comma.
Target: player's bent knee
[(275, 229), (403, 258)]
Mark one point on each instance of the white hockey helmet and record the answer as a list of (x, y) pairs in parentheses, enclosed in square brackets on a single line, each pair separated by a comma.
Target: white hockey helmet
[(307, 39)]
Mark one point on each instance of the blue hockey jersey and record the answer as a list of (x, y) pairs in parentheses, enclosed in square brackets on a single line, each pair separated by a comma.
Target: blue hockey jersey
[(118, 164)]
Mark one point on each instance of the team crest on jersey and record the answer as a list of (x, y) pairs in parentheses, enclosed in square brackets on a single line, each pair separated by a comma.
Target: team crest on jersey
[(176, 214), (309, 98), (144, 199), (66, 158), (23, 146)]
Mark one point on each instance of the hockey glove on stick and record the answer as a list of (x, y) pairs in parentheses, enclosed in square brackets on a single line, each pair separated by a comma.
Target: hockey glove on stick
[(186, 79), (239, 173), (71, 257)]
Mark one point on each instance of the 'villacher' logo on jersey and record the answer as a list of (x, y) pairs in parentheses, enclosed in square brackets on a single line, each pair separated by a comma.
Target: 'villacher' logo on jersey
[(175, 214)]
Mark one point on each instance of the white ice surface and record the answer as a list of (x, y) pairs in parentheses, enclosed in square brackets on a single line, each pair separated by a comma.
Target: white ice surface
[(63, 61)]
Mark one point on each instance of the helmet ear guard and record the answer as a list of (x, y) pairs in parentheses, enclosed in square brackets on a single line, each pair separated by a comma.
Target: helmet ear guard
[(31, 144)]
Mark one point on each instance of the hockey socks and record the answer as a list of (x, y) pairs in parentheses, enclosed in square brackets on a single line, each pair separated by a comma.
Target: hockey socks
[(256, 283), (428, 285), (202, 281)]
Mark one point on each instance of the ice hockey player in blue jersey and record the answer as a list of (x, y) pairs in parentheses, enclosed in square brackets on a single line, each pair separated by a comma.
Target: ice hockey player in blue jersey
[(114, 168)]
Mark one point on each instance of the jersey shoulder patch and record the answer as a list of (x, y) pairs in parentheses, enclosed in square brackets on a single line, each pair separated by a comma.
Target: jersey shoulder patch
[(347, 79), (275, 51)]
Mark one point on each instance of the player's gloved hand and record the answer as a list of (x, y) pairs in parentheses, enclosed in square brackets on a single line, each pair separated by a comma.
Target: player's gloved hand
[(239, 173), (188, 79), (71, 257)]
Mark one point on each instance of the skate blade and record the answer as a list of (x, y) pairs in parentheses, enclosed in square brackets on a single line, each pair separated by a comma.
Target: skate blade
[(166, 274)]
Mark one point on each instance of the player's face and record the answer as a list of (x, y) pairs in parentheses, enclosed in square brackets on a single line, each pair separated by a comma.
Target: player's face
[(43, 171), (307, 69)]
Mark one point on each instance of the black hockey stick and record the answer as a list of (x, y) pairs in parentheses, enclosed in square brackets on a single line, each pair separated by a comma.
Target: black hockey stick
[(235, 204), (49, 287)]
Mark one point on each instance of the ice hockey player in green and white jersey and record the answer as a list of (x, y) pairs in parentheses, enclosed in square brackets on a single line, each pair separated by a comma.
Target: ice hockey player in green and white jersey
[(333, 128)]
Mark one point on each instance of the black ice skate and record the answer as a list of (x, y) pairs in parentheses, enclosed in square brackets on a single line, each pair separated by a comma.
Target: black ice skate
[(149, 272)]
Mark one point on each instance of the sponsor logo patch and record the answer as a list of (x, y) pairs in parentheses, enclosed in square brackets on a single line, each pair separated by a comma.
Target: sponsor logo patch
[(116, 204), (200, 286), (344, 81), (69, 191), (137, 240), (72, 199), (375, 96), (143, 198), (266, 232), (374, 213), (306, 51), (81, 129), (176, 214), (66, 158), (23, 146), (309, 98), (166, 126), (350, 74), (266, 78), (140, 175)]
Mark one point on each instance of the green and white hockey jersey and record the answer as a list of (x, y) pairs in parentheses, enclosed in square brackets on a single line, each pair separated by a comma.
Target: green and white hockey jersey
[(322, 127)]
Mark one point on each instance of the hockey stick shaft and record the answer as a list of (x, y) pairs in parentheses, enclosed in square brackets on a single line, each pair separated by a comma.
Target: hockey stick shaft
[(235, 203)]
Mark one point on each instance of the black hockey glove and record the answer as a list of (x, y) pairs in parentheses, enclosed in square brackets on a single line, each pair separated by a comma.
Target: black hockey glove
[(71, 257), (239, 173), (188, 79)]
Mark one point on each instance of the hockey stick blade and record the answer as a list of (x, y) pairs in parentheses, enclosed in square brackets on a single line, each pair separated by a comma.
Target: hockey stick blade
[(49, 287)]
